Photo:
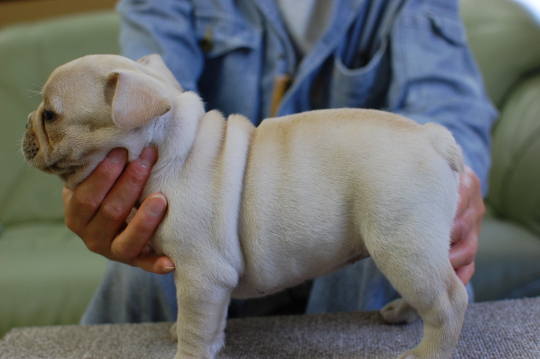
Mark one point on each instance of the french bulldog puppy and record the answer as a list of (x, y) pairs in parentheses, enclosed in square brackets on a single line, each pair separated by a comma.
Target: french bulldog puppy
[(255, 210)]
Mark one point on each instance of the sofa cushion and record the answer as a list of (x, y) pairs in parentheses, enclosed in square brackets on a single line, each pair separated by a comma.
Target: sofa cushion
[(47, 275)]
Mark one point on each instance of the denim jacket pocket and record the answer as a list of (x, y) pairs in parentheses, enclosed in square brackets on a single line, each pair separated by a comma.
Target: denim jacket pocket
[(232, 56), (429, 53), (218, 36), (360, 87)]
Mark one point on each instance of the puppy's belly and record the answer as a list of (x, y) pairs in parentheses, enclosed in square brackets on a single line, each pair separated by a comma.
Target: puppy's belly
[(291, 271)]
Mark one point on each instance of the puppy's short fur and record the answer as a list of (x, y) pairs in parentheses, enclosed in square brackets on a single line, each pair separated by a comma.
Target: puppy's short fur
[(255, 210)]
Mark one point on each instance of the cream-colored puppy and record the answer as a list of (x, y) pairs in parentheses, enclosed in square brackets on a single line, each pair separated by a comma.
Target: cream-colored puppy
[(255, 210)]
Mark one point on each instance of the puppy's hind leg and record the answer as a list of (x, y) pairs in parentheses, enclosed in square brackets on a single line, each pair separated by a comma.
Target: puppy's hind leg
[(420, 269)]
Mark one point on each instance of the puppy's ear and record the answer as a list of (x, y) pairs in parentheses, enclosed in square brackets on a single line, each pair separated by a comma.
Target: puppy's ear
[(135, 98), (156, 65)]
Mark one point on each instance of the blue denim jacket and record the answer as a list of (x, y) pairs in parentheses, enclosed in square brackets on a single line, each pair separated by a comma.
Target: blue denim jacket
[(405, 56)]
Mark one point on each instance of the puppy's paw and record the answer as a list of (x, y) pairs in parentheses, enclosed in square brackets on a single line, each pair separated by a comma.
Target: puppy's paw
[(399, 312), (173, 333)]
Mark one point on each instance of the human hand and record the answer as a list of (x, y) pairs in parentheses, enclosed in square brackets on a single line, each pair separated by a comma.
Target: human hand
[(467, 224), (98, 210)]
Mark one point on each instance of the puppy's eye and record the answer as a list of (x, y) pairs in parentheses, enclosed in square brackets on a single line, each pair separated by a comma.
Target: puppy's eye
[(48, 116)]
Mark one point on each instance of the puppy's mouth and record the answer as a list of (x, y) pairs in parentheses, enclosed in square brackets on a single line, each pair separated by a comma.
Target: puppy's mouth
[(62, 170)]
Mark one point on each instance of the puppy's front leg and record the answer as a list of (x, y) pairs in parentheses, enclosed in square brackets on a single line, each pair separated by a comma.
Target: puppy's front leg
[(202, 314)]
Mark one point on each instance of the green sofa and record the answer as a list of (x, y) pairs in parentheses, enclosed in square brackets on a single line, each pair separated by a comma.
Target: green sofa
[(47, 276), (505, 39)]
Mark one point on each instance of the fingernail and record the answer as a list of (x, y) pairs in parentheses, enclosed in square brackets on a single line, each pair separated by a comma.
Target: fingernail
[(156, 205), (116, 155), (148, 157), (168, 269)]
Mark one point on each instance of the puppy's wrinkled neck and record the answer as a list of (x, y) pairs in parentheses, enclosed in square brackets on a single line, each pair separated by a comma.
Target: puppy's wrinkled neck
[(174, 133)]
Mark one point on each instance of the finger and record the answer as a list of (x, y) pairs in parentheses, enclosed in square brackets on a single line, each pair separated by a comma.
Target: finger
[(463, 252), (81, 205), (466, 273), (470, 221), (464, 225), (118, 203), (143, 226), (465, 191), (470, 217), (131, 242), (154, 264)]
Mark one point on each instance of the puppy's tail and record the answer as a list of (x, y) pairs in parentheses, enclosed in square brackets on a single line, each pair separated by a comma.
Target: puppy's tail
[(445, 145)]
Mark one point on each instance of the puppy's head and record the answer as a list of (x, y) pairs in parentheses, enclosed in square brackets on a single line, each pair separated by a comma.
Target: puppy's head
[(91, 105)]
